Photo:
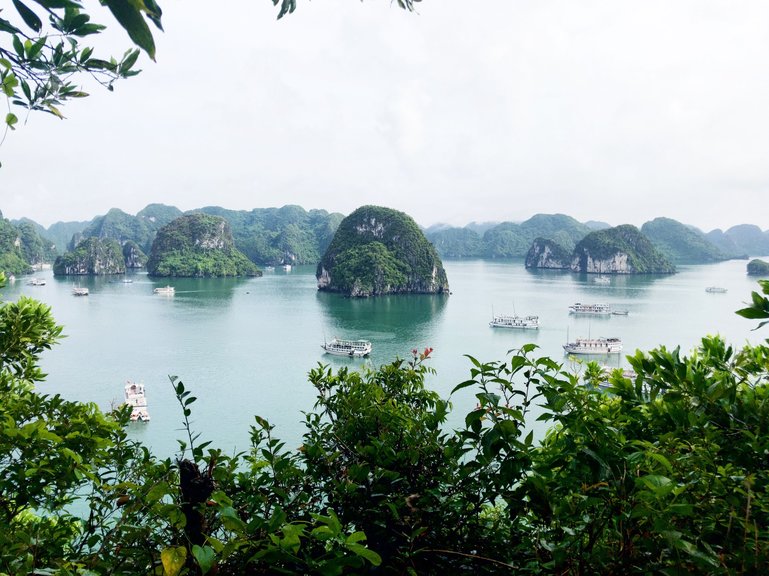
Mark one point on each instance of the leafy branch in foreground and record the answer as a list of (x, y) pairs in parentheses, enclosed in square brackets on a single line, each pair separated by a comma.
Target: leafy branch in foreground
[(759, 306)]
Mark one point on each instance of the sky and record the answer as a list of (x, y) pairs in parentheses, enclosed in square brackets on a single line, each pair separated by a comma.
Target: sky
[(612, 110)]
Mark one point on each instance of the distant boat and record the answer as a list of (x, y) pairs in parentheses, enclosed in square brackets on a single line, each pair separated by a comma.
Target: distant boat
[(11, 278), (36, 282), (287, 267), (715, 290), (78, 291), (167, 290), (352, 348), (507, 321), (134, 397), (269, 268), (602, 280), (588, 346), (620, 312), (127, 281), (595, 309)]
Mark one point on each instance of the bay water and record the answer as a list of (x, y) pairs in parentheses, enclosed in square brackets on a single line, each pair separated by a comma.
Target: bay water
[(245, 346)]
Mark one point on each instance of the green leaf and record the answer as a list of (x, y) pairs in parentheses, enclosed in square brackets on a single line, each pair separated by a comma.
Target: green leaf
[(173, 560), (205, 556), (10, 120), (29, 17), (365, 553), (131, 19)]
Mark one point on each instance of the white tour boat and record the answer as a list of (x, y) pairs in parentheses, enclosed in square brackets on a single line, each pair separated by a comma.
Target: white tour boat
[(287, 267), (36, 282), (167, 290), (594, 346), (134, 397), (715, 290), (352, 348), (78, 291), (598, 309), (507, 321)]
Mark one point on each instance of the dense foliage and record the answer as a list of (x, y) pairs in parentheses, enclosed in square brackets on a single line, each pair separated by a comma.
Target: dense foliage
[(123, 227), (680, 243), (287, 235), (12, 259), (642, 256), (664, 473), (379, 250), (508, 240), (197, 245), (92, 256), (758, 267)]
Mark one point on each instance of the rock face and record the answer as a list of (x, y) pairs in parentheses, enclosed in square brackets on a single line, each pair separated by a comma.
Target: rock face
[(92, 256), (758, 267), (133, 255), (197, 245), (546, 253), (381, 251), (620, 250)]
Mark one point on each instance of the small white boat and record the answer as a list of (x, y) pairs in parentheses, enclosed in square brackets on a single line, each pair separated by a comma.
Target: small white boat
[(602, 280), (78, 291), (352, 348), (523, 322), (167, 290), (269, 268), (287, 267), (134, 397), (11, 278), (595, 309), (715, 290), (127, 281), (587, 346), (620, 312), (36, 282)]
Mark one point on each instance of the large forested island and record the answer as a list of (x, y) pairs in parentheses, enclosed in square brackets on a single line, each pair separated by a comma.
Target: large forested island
[(381, 251), (197, 245), (620, 250), (92, 256)]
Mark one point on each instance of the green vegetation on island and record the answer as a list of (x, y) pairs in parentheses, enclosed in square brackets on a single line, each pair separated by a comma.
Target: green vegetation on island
[(123, 227), (681, 244), (758, 267), (92, 256), (381, 251), (197, 245), (664, 474), (619, 250)]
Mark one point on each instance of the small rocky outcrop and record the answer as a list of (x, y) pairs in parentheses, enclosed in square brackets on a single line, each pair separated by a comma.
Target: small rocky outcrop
[(379, 251), (545, 253), (92, 256), (758, 267), (198, 245)]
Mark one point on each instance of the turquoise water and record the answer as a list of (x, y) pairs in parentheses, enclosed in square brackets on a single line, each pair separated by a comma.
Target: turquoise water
[(244, 347)]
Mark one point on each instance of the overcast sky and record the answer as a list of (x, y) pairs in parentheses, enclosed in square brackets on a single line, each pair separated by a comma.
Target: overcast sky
[(489, 110)]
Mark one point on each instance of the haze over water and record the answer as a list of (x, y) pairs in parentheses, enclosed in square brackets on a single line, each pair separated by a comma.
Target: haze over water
[(245, 346)]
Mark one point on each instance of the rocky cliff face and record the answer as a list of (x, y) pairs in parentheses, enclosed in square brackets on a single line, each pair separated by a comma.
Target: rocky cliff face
[(93, 256), (620, 250), (545, 253), (197, 245), (133, 255), (381, 251)]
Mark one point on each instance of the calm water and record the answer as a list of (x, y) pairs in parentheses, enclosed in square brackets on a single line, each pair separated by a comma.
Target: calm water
[(244, 347)]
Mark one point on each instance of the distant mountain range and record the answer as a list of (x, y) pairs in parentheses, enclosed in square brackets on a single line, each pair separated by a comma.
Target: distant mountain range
[(291, 234)]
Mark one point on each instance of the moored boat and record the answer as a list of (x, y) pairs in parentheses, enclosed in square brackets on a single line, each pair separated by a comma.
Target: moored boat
[(715, 290), (522, 322), (352, 348), (586, 346), (597, 309), (78, 291), (36, 282), (167, 290), (602, 280), (134, 397)]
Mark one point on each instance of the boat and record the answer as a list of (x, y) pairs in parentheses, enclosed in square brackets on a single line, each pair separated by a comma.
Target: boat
[(594, 346), (596, 309), (167, 290), (620, 312), (11, 278), (269, 268), (602, 280), (134, 397), (78, 291), (287, 267), (715, 290), (507, 321), (127, 281), (36, 282), (352, 348)]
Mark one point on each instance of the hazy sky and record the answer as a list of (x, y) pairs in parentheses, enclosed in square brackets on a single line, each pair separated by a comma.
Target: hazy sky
[(610, 110)]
